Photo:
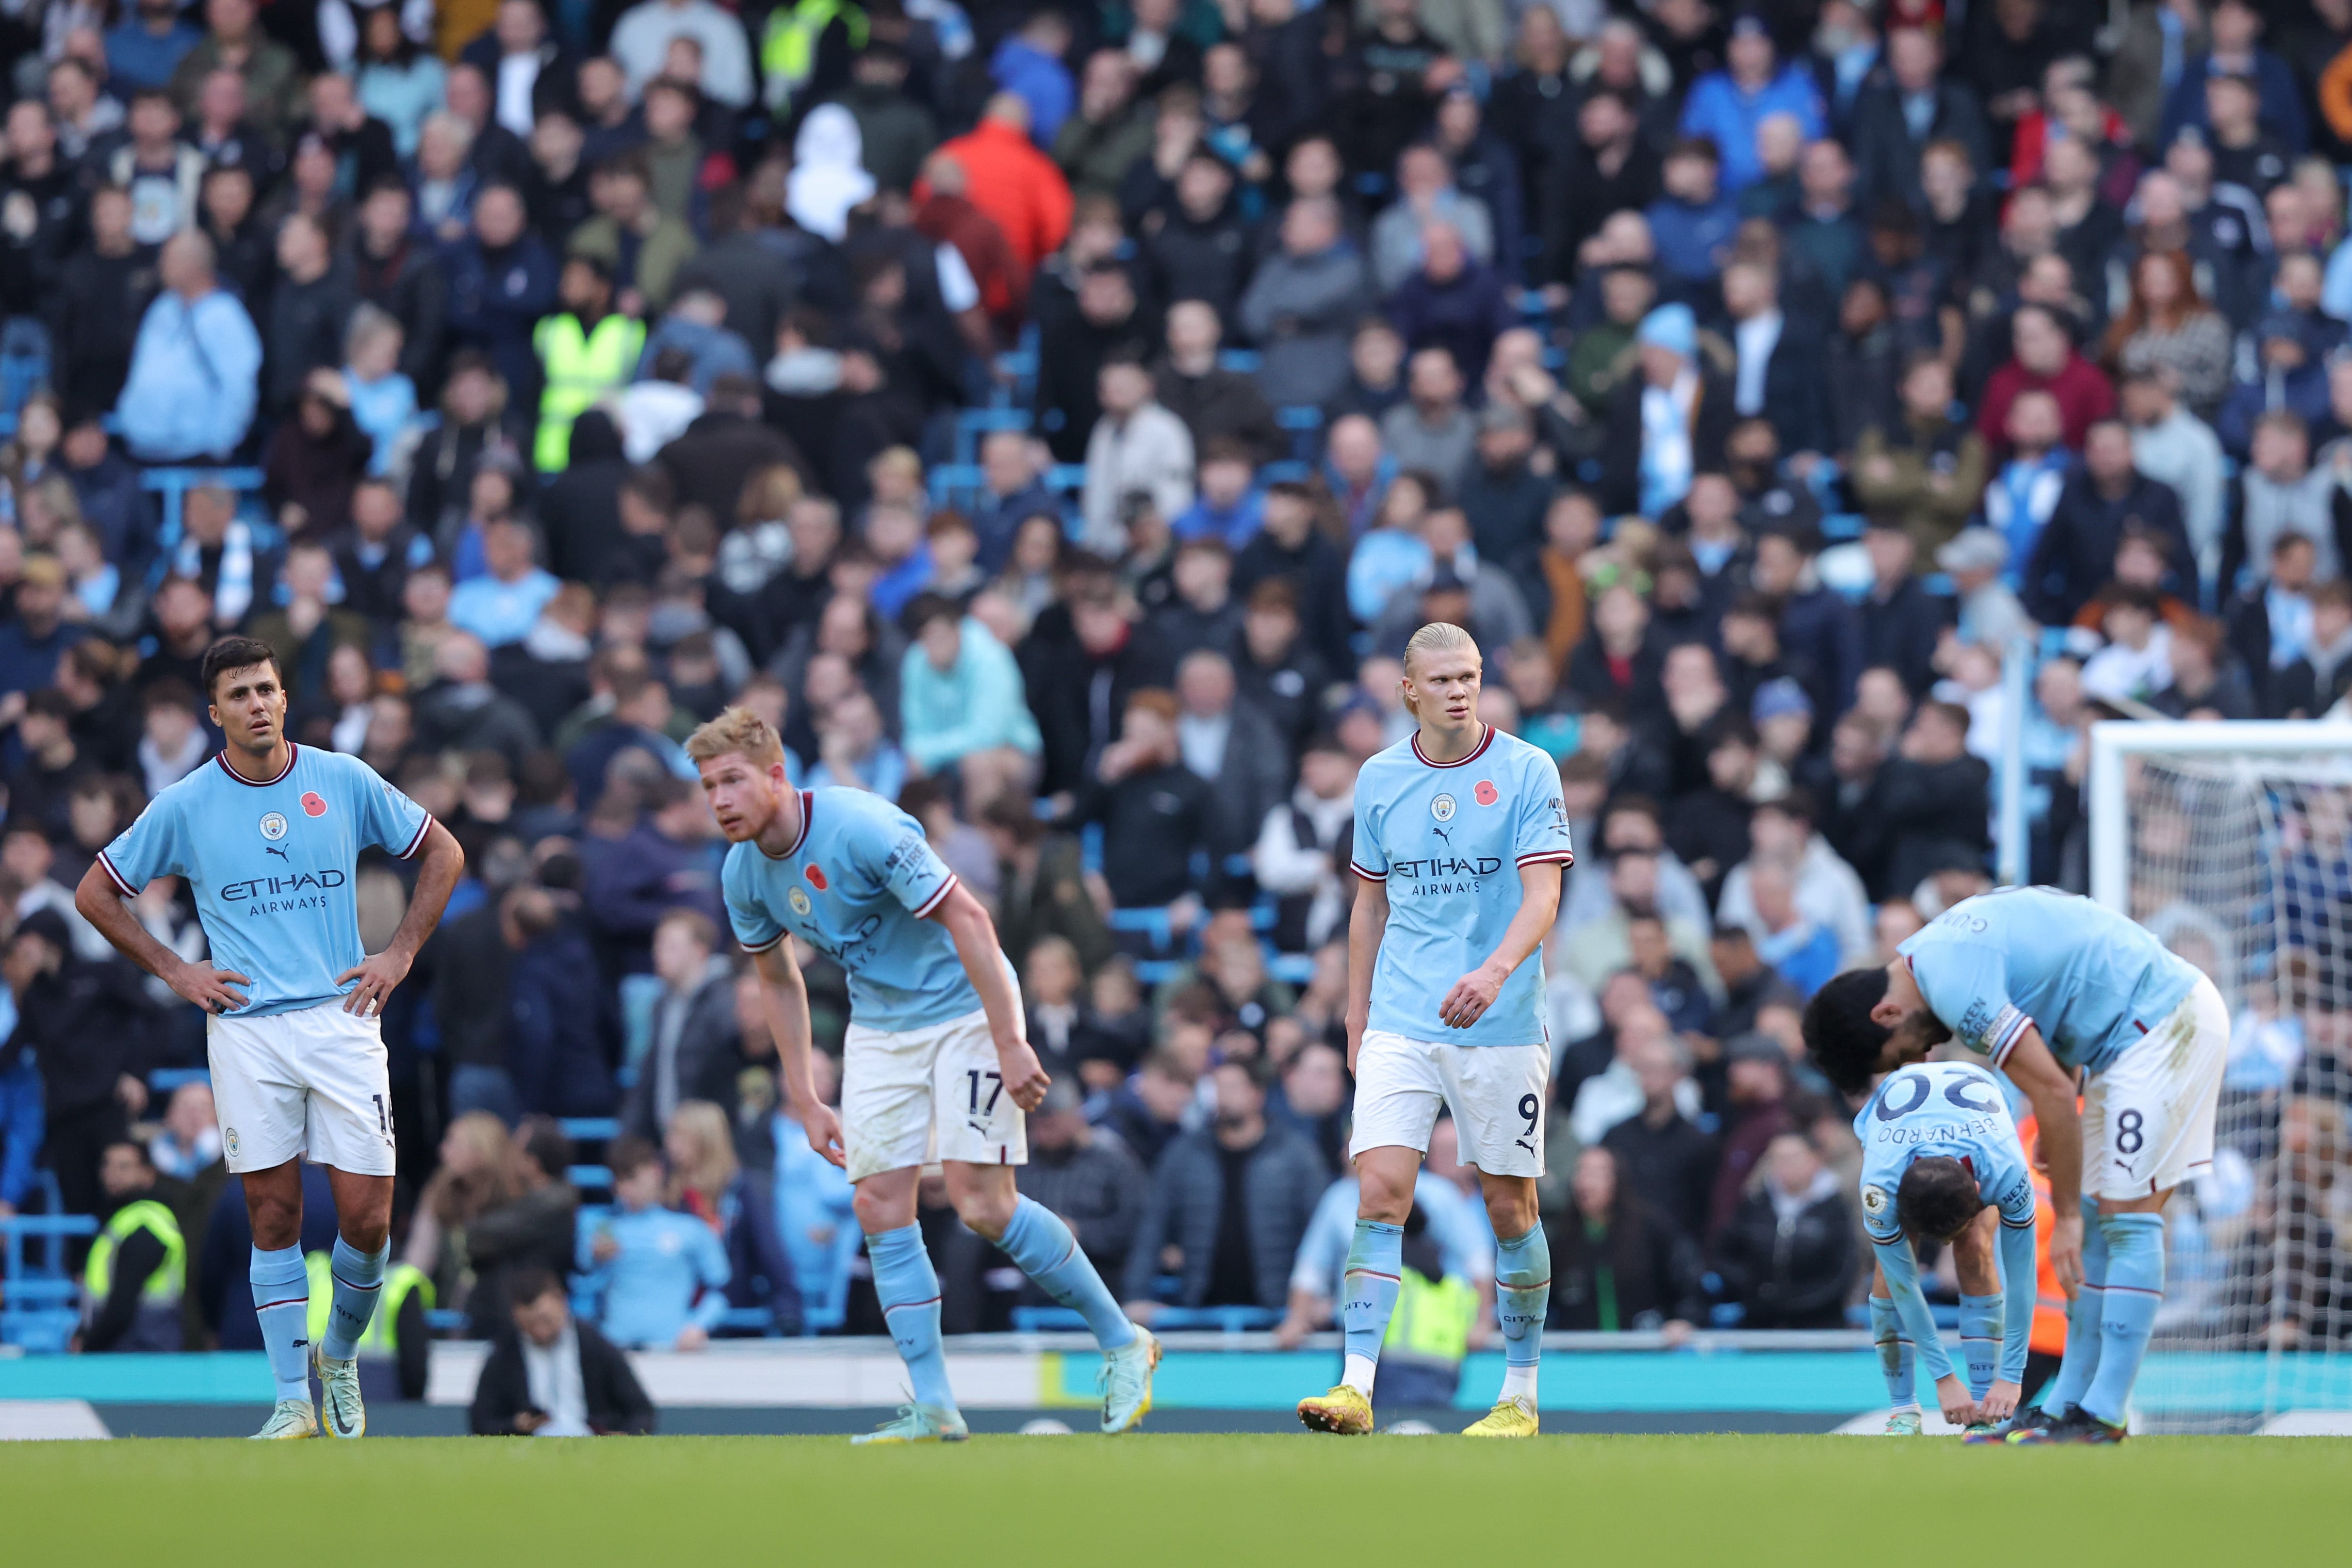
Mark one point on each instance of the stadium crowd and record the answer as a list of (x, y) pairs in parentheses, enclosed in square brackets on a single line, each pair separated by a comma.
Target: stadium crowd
[(1055, 421)]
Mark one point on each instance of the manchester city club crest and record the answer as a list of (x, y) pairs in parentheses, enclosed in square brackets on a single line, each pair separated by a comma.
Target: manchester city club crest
[(1441, 808), (273, 826), (228, 1142), (800, 902)]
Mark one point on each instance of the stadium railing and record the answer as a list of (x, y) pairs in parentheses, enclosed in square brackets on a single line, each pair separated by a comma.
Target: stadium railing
[(41, 1306), (174, 483)]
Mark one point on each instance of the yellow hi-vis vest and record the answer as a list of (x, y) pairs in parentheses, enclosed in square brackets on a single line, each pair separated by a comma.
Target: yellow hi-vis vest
[(788, 45), (170, 1280), (382, 1335), (1433, 1319), (580, 368)]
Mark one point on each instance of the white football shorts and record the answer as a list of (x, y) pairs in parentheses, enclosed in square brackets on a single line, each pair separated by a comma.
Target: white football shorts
[(909, 1099), (1497, 1095), (312, 1083), (2147, 1120)]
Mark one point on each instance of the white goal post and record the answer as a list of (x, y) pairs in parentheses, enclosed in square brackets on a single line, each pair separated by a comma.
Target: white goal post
[(2233, 842)]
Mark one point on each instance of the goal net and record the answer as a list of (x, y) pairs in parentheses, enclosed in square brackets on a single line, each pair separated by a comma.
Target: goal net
[(2234, 844)]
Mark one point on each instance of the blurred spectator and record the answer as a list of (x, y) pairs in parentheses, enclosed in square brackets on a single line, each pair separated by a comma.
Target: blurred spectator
[(1756, 1085), (1659, 1151), (1229, 1206), (1787, 1256), (533, 1226), (1618, 1265), (552, 1374), (693, 1055), (649, 1275), (191, 386), (961, 703)]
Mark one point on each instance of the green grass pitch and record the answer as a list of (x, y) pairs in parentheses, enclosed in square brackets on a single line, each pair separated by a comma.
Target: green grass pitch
[(1720, 1501)]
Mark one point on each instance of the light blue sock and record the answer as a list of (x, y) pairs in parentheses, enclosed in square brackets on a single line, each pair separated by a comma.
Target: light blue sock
[(1369, 1295), (2135, 1290), (358, 1276), (281, 1298), (910, 1294), (1522, 1296), (1980, 1319), (2081, 1362), (1894, 1354), (1043, 1247)]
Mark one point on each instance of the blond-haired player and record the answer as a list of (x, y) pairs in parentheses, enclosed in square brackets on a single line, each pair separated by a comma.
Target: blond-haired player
[(1461, 839), (937, 1062)]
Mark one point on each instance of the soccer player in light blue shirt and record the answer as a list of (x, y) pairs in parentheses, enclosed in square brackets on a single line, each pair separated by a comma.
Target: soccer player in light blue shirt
[(1461, 837), (1941, 1160), (2043, 985), (936, 1064), (269, 835)]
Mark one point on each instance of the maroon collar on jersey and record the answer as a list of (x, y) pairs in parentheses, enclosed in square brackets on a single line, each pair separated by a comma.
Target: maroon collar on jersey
[(221, 758), (1475, 751)]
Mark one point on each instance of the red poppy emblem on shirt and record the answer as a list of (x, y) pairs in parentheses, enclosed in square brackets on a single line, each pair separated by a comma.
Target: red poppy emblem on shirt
[(314, 804), (816, 874), (1486, 792)]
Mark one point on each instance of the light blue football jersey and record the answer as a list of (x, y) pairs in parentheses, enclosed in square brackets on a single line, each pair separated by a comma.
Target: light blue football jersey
[(271, 866), (856, 887), (1448, 839), (1954, 1110), (2093, 982)]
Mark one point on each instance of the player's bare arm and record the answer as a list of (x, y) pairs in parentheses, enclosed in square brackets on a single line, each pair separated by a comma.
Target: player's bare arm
[(214, 990), (442, 861), (1539, 906), (974, 935), (2051, 1089), (1368, 922), (784, 996)]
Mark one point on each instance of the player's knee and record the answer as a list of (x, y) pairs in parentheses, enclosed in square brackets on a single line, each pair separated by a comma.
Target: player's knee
[(876, 1212), (1382, 1201), (986, 1209)]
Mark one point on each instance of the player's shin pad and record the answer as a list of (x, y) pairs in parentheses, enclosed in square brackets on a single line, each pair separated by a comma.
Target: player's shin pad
[(1369, 1293), (2081, 1362), (1894, 1353), (1980, 1319), (2135, 1289)]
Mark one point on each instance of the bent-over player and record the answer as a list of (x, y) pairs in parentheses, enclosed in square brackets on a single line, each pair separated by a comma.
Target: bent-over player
[(937, 1063), (269, 835), (2045, 985), (1460, 841), (1941, 1160)]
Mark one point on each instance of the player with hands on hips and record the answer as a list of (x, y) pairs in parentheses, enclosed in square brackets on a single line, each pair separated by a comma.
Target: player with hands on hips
[(267, 836)]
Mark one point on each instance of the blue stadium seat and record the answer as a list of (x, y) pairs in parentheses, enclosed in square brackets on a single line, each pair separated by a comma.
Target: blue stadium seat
[(590, 1128), (589, 1178), (953, 485), (1241, 361), (164, 1082)]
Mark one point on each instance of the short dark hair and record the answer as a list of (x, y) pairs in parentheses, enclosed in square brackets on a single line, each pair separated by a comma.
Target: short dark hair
[(545, 1143), (1937, 1197), (231, 653), (629, 1155), (530, 1282), (1840, 1037), (926, 607)]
